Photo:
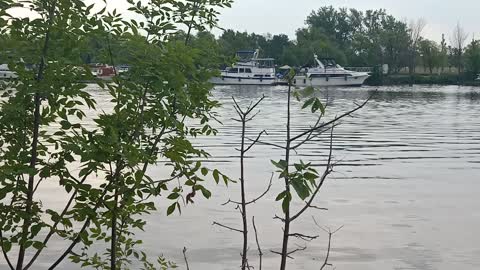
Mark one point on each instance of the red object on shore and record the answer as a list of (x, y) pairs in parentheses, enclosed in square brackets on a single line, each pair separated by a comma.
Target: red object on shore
[(106, 71)]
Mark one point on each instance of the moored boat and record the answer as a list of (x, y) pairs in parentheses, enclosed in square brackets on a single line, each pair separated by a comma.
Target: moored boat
[(249, 70), (6, 73), (329, 73)]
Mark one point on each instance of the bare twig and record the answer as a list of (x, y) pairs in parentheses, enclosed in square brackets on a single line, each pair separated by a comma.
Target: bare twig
[(330, 234), (256, 199), (255, 141), (328, 170), (336, 119), (304, 237), (297, 250), (288, 255), (227, 227), (260, 253), (279, 253), (269, 144), (185, 257)]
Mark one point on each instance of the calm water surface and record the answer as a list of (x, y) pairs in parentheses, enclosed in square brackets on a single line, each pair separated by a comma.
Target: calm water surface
[(406, 187)]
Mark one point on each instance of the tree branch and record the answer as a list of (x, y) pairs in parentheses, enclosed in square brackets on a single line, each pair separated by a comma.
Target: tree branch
[(256, 199), (260, 253), (303, 236), (4, 252), (185, 257), (336, 119), (54, 227), (327, 172), (330, 234), (255, 141), (226, 227)]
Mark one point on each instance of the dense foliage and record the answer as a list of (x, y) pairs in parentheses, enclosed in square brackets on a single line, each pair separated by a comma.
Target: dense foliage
[(54, 138)]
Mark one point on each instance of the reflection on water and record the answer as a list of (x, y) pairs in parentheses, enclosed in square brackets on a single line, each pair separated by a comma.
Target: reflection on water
[(406, 187)]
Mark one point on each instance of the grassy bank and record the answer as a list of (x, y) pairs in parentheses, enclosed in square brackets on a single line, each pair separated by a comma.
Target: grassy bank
[(443, 79)]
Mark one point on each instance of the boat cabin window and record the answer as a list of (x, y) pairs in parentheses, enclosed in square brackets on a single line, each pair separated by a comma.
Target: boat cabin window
[(267, 76), (330, 75), (241, 70), (232, 70), (248, 70)]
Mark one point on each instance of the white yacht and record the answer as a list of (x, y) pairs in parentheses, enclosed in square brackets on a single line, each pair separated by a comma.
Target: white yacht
[(6, 73), (329, 73), (250, 70)]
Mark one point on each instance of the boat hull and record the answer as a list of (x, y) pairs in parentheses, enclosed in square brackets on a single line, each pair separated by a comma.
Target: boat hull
[(304, 81), (242, 81)]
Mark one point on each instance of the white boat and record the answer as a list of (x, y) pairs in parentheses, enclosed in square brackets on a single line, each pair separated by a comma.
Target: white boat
[(6, 73), (329, 73), (250, 70)]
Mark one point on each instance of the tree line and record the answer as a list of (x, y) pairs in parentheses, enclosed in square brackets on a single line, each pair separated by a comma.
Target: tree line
[(360, 38)]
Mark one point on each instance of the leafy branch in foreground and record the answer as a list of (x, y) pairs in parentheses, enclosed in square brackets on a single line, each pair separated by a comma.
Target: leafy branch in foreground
[(302, 178), (51, 133)]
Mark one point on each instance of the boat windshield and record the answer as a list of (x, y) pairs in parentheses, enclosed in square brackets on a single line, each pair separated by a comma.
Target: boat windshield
[(266, 63), (245, 56), (328, 62)]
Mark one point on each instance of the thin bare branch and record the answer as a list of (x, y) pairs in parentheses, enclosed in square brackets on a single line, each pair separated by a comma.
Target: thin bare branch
[(279, 218), (279, 253), (327, 172), (227, 227), (251, 108), (263, 194), (260, 253), (297, 250), (185, 257), (256, 199), (270, 144), (255, 141), (336, 119), (238, 108), (330, 234), (303, 236)]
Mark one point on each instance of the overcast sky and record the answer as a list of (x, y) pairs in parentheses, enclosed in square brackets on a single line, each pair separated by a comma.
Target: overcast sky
[(285, 16)]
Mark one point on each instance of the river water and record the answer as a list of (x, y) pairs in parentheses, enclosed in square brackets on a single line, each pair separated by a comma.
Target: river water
[(406, 187)]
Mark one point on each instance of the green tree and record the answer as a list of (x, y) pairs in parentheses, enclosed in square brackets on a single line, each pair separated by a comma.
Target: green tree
[(430, 54), (472, 58), (102, 166)]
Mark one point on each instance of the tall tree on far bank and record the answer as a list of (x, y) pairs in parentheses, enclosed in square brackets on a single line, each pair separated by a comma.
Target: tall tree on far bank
[(443, 54), (416, 28), (472, 58), (430, 54), (458, 39)]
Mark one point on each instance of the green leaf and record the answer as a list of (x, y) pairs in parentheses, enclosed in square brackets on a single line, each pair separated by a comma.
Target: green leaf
[(301, 188), (171, 209), (65, 124), (286, 202), (38, 245), (204, 171), (282, 164), (308, 91), (173, 196), (7, 246), (281, 196), (206, 193), (308, 103), (216, 176)]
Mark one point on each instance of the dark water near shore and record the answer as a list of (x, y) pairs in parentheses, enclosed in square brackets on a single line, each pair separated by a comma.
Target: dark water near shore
[(406, 187)]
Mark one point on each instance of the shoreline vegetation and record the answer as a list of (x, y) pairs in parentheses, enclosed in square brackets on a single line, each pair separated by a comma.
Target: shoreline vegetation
[(98, 153), (354, 38)]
